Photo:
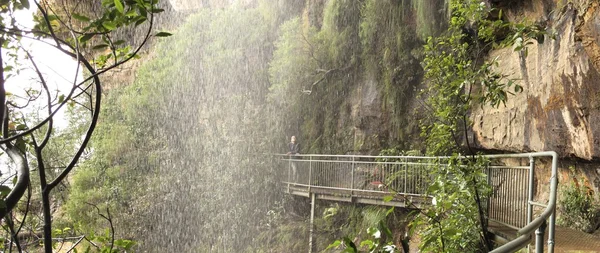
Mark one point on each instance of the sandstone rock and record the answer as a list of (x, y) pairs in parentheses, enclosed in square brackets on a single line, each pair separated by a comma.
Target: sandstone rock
[(561, 97)]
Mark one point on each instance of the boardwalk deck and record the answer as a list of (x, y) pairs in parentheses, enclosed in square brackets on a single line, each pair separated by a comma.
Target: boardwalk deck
[(402, 181)]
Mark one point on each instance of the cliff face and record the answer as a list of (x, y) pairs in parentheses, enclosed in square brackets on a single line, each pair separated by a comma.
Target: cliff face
[(559, 108), (561, 99)]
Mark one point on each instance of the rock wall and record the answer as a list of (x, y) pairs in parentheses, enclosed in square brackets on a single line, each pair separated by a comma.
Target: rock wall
[(561, 97), (560, 104)]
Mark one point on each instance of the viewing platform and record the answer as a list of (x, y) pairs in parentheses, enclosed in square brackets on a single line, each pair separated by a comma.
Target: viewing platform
[(517, 207)]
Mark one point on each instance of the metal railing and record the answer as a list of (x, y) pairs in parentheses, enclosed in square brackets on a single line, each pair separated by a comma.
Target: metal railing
[(355, 175), (511, 177)]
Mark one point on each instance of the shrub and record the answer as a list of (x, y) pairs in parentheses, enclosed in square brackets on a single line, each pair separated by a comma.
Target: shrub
[(579, 208)]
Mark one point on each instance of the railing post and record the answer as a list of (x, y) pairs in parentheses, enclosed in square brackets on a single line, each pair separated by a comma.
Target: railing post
[(352, 181), (403, 164), (289, 174), (488, 200), (551, 230), (312, 218), (309, 172), (530, 196), (539, 238), (530, 189)]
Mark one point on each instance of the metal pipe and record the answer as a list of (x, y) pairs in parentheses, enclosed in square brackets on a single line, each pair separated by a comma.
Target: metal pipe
[(520, 155), (553, 193), (530, 190), (309, 172), (289, 174), (312, 218), (539, 238)]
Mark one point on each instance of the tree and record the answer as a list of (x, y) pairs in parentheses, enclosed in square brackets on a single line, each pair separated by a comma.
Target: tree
[(91, 40), (457, 80)]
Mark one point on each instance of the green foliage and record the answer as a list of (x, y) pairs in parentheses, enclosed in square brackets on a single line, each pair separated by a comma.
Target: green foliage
[(52, 152), (430, 18), (387, 42), (452, 222), (379, 239), (456, 83), (453, 77), (316, 72), (580, 208), (311, 75), (189, 132)]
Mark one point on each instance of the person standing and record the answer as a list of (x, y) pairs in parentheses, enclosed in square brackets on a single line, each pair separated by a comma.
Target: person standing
[(294, 147), (293, 151)]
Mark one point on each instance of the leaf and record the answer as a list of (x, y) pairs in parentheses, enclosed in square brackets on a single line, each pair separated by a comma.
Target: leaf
[(131, 14), (388, 198), (157, 10), (100, 47), (20, 144), (389, 211), (143, 12), (163, 34), (119, 42), (518, 88), (109, 25), (119, 6), (61, 98), (385, 229), (80, 17), (4, 190), (351, 246), (140, 20), (85, 38), (450, 232), (25, 3), (106, 3), (21, 127), (334, 244), (368, 243)]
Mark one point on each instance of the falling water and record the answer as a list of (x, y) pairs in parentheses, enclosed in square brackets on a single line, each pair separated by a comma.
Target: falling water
[(214, 115), (215, 180)]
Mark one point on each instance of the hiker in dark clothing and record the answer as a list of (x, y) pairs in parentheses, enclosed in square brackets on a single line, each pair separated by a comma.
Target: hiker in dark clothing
[(293, 150), (294, 147)]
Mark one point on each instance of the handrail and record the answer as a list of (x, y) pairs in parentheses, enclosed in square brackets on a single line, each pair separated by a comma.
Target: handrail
[(539, 223), (18, 190), (363, 156), (524, 233)]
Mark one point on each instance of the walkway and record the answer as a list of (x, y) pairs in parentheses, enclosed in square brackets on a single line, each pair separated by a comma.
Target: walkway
[(403, 180), (566, 239), (572, 241)]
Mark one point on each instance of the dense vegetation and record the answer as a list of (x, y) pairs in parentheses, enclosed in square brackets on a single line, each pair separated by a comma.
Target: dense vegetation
[(39, 156), (195, 129), (359, 49), (191, 131), (232, 84), (228, 87)]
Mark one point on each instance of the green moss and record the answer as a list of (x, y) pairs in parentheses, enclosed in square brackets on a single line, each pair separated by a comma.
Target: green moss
[(430, 17), (357, 40)]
